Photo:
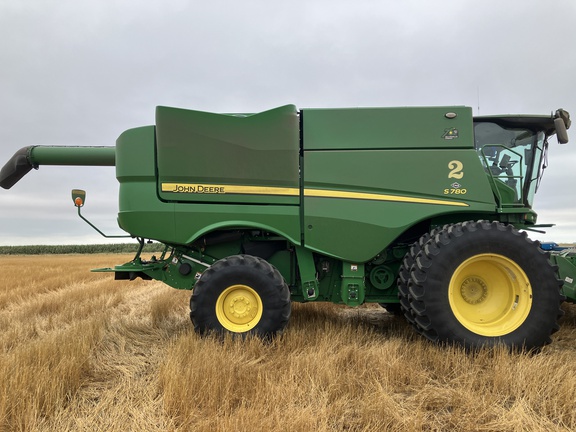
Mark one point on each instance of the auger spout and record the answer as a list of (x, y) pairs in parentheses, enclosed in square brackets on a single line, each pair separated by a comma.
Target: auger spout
[(33, 156)]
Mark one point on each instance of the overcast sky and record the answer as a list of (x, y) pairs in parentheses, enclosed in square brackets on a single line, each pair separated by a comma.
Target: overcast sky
[(79, 72)]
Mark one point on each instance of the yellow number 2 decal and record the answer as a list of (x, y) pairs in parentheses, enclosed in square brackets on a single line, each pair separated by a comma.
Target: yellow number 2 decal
[(456, 168)]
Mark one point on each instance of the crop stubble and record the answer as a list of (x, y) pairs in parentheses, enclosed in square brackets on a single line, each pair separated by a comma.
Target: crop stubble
[(80, 351)]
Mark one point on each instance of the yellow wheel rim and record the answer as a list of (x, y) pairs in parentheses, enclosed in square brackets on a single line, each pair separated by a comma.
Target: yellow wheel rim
[(239, 308), (490, 295)]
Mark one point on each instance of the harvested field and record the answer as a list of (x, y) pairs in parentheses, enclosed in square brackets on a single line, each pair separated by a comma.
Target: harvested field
[(82, 352)]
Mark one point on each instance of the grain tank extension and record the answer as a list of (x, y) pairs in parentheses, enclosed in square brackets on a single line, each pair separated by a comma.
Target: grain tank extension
[(422, 210)]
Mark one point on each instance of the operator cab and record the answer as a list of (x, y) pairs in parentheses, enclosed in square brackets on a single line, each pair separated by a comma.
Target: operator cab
[(513, 151)]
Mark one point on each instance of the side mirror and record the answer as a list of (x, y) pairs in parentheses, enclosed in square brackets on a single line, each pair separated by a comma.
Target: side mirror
[(561, 124), (79, 197)]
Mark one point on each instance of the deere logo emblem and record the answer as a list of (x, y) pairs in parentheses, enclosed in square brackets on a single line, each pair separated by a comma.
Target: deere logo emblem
[(451, 133)]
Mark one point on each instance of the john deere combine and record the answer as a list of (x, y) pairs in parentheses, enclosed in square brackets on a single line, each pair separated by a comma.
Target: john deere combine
[(423, 210)]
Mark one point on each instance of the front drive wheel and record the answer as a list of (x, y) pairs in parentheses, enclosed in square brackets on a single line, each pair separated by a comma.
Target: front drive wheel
[(240, 294), (484, 284)]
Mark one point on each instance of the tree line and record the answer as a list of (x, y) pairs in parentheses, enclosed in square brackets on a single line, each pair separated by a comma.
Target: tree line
[(79, 249)]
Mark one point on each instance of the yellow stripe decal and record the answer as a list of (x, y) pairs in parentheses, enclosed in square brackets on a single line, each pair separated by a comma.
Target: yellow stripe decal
[(378, 197), (227, 189), (211, 189)]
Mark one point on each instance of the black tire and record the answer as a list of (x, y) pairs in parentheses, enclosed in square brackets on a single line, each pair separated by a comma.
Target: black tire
[(240, 294), (404, 281), (482, 284)]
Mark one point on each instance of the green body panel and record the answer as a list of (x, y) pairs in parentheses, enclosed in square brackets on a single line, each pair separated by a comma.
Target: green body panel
[(194, 220), (376, 128), (201, 152), (141, 213), (144, 214), (356, 229), (567, 271)]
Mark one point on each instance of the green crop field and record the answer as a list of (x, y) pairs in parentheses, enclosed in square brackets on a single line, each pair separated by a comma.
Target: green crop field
[(82, 352)]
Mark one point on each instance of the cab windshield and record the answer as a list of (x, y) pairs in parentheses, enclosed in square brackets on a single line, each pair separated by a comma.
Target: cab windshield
[(513, 159)]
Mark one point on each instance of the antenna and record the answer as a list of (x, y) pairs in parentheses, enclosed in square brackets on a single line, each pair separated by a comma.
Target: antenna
[(478, 97)]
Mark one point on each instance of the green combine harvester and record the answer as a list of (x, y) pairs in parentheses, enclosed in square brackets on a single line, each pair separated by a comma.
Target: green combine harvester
[(422, 210)]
